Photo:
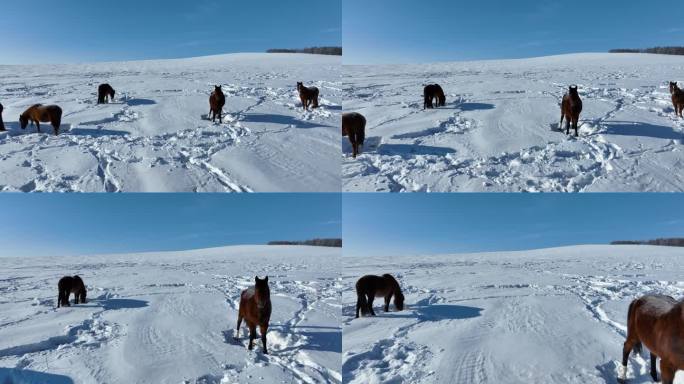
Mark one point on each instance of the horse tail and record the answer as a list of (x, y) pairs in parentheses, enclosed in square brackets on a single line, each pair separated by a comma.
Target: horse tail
[(315, 100), (361, 134)]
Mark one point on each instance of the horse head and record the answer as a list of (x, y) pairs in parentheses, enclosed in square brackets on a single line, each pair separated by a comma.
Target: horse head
[(23, 121), (673, 86), (573, 90), (399, 300), (300, 85), (262, 294)]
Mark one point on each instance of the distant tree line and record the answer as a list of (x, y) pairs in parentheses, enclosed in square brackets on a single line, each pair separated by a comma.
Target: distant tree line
[(670, 242), (336, 51), (658, 50), (316, 242)]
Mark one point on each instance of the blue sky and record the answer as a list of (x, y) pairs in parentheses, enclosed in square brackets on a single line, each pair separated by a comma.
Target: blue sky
[(59, 224), (404, 31), (40, 31), (396, 224)]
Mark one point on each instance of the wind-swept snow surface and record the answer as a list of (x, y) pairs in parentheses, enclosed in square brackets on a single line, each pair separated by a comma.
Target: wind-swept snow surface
[(552, 315), (499, 129), (170, 318), (155, 135)]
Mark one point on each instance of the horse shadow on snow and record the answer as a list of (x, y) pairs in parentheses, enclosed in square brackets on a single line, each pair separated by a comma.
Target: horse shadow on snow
[(25, 376)]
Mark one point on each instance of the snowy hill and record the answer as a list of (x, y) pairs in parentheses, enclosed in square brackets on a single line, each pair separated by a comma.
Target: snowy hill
[(499, 129), (169, 318), (153, 137), (551, 315)]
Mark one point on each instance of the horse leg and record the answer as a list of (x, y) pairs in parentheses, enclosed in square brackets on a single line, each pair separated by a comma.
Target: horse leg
[(237, 329), (560, 125), (574, 125), (567, 126), (263, 329), (38, 126), (252, 336), (371, 297), (387, 302), (55, 126), (667, 372), (359, 300), (626, 350), (654, 372)]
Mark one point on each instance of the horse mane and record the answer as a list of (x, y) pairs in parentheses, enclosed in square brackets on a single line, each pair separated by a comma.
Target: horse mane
[(393, 281)]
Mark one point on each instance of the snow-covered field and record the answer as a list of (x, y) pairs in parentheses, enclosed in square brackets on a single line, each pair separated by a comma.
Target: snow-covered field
[(551, 315), (154, 138), (498, 131), (170, 317)]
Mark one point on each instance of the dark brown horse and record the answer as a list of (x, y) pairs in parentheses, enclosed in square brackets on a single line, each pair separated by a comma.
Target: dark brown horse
[(2, 124), (68, 285), (677, 98), (370, 286), (656, 321), (105, 93), (308, 96), (433, 92), (571, 107), (216, 102), (255, 309), (354, 127), (42, 113)]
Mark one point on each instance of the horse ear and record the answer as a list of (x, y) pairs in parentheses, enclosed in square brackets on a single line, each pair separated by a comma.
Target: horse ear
[(266, 279), (256, 279)]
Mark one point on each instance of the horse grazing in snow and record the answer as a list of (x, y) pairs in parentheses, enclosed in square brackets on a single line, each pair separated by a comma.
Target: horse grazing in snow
[(68, 285), (308, 96), (39, 113), (571, 107), (370, 286), (354, 127), (433, 92), (105, 93), (656, 321)]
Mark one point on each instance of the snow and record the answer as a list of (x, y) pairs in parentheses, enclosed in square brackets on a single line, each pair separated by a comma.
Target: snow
[(155, 137), (499, 129), (170, 318), (551, 315)]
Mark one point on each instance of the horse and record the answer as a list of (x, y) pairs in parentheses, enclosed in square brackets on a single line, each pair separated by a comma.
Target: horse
[(39, 113), (677, 98), (2, 124), (105, 93), (68, 285), (354, 126), (255, 309), (433, 92), (308, 96), (216, 102), (571, 107), (656, 321), (370, 286)]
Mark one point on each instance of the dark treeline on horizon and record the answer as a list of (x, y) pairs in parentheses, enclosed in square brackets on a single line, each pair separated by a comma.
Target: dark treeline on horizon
[(670, 242), (315, 242), (658, 50), (335, 51)]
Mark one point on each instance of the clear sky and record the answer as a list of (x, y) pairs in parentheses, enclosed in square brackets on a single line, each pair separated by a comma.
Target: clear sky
[(75, 224), (397, 224), (40, 31), (404, 31)]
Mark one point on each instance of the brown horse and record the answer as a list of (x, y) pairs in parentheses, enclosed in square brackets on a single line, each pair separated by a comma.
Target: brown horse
[(216, 102), (677, 98), (255, 308), (2, 124), (433, 92), (105, 93), (308, 96), (354, 126), (39, 113), (656, 321), (370, 286), (571, 107), (68, 285)]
